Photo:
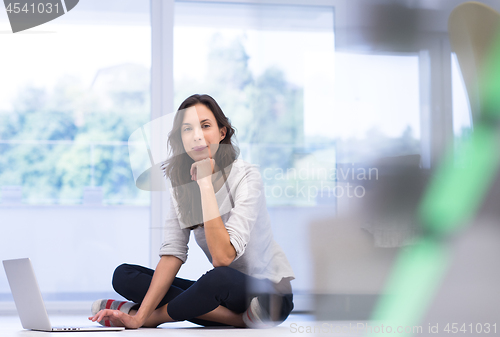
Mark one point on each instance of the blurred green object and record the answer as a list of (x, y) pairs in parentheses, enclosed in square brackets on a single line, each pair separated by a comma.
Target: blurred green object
[(452, 199), (412, 284), (455, 193), (490, 84)]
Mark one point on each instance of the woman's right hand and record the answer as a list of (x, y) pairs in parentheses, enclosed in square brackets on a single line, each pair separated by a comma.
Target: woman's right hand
[(118, 318), (203, 168)]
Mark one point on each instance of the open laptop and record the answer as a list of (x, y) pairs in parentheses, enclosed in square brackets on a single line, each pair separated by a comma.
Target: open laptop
[(29, 301)]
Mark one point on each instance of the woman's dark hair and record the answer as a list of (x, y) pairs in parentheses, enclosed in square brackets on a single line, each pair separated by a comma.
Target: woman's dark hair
[(177, 167)]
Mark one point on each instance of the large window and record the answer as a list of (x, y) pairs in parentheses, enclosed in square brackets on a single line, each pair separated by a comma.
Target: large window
[(73, 90)]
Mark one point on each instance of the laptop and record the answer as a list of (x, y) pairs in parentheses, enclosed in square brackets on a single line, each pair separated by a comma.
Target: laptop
[(29, 301)]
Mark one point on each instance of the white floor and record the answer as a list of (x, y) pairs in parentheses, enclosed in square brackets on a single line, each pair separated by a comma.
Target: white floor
[(10, 326)]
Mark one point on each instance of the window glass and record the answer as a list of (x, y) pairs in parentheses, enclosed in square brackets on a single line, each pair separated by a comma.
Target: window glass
[(376, 106), (462, 121), (73, 91)]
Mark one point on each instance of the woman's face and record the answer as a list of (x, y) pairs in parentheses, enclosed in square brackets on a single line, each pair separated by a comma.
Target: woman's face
[(199, 130)]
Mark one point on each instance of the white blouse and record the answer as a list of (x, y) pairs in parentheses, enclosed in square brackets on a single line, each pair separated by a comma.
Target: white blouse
[(248, 225)]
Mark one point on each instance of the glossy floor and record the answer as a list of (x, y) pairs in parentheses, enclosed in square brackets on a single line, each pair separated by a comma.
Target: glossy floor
[(10, 326)]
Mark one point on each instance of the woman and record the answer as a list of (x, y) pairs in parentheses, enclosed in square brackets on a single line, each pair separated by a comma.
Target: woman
[(221, 199)]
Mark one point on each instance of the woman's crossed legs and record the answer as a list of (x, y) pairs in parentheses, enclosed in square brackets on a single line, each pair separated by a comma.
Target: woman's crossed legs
[(218, 298)]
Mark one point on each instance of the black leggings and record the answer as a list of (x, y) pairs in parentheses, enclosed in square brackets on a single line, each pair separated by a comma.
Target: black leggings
[(189, 299)]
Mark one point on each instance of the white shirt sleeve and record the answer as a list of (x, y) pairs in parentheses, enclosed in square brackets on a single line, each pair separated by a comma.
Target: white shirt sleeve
[(248, 202), (175, 240)]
